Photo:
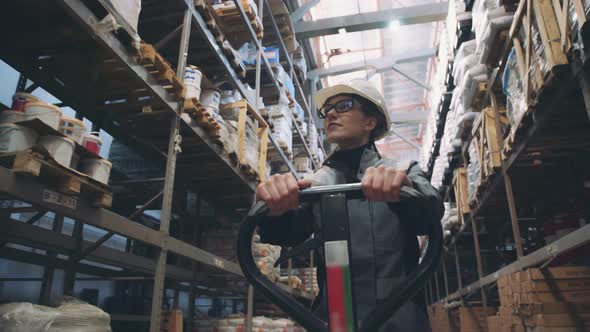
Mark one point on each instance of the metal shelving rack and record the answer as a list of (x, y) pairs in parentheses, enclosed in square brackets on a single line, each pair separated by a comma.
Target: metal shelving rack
[(75, 46), (568, 96)]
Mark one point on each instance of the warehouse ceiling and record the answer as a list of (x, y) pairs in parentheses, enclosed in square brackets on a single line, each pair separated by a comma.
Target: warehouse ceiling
[(404, 84)]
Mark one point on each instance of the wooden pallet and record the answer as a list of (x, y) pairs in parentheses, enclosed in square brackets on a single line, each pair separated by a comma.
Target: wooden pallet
[(160, 69), (210, 20), (231, 20), (38, 163), (202, 117)]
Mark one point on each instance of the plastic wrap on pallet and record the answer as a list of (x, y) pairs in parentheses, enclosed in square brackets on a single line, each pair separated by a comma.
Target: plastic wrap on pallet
[(312, 133), (282, 131), (480, 13), (450, 217), (487, 42), (473, 171), (76, 316), (129, 10), (300, 112), (573, 15), (248, 53), (17, 317), (300, 64), (464, 60), (463, 96), (465, 123), (251, 147), (513, 86)]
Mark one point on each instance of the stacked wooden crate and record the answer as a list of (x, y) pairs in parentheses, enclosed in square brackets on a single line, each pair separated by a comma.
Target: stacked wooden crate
[(485, 136), (440, 319), (474, 319), (555, 299), (460, 184)]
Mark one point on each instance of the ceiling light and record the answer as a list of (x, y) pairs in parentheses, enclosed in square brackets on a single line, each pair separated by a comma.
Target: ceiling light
[(394, 24), (342, 31)]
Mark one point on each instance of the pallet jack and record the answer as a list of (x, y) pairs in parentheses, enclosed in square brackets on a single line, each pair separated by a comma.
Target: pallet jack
[(335, 238)]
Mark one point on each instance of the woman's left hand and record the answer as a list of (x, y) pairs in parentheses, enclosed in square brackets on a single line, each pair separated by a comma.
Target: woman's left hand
[(383, 184)]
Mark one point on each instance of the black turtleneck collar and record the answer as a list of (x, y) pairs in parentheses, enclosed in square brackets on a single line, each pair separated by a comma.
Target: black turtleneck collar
[(348, 161)]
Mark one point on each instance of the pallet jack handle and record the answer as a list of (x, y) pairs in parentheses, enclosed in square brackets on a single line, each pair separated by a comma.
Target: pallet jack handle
[(415, 281)]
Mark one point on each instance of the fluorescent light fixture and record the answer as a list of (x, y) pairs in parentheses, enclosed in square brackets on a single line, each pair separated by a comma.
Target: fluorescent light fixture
[(342, 31), (394, 24)]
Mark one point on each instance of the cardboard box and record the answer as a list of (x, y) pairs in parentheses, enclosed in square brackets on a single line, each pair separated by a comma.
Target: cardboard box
[(475, 318), (542, 297), (493, 323), (559, 320), (553, 308), (563, 272), (172, 321), (560, 285)]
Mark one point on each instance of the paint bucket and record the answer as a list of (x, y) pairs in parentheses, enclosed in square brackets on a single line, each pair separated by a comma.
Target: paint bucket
[(50, 114), (92, 143), (16, 138), (60, 148), (192, 82), (98, 169), (11, 116), (20, 100), (73, 128), (210, 100)]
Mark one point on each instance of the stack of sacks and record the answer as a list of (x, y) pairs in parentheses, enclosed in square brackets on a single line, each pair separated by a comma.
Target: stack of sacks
[(489, 19), (514, 89), (438, 88), (465, 92), (450, 219), (473, 171), (456, 13), (265, 255)]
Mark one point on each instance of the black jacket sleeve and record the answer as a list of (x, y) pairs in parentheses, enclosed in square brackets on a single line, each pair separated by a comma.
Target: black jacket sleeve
[(288, 230), (425, 209)]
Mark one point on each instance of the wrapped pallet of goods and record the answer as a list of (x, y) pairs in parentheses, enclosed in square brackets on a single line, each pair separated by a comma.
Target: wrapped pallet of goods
[(68, 317), (282, 131), (491, 21)]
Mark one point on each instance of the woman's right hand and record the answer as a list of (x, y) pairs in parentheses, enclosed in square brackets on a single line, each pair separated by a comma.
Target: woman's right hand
[(281, 193)]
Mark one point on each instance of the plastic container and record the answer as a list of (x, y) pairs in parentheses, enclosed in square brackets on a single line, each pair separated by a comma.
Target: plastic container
[(210, 100), (60, 148), (192, 82), (73, 128), (98, 169), (47, 113), (92, 142), (16, 138), (20, 100), (11, 116)]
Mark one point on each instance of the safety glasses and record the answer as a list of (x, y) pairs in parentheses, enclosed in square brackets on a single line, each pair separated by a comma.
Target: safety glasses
[(342, 106)]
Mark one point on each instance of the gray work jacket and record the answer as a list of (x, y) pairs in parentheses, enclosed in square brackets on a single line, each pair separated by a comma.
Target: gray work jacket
[(384, 246)]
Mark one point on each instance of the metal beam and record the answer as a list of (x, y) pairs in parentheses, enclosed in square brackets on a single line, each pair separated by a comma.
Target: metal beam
[(378, 65), (566, 243), (28, 190), (414, 117), (405, 139), (373, 20), (410, 78), (298, 14)]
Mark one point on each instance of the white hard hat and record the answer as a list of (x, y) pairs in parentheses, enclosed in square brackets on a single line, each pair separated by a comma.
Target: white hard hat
[(361, 88)]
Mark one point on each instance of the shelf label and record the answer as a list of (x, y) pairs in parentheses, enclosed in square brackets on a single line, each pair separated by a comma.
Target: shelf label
[(59, 199), (218, 262)]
